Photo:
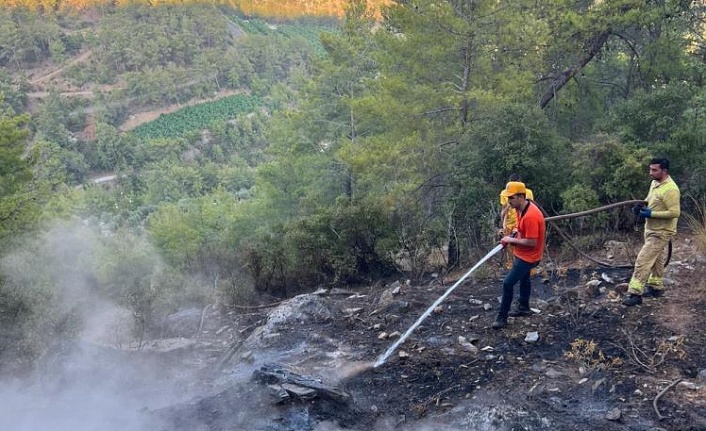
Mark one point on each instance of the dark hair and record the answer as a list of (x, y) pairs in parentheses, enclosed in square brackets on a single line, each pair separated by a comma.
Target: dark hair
[(514, 177), (662, 162)]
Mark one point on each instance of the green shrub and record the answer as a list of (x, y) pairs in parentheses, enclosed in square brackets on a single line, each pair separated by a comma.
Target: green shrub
[(343, 244)]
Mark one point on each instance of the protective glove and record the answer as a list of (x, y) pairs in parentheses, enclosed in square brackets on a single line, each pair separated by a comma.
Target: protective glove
[(646, 212)]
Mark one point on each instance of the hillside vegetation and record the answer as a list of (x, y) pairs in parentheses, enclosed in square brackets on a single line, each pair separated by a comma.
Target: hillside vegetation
[(265, 8), (360, 152)]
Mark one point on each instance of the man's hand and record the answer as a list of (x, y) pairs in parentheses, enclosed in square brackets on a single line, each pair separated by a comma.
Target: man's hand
[(646, 212), (505, 241)]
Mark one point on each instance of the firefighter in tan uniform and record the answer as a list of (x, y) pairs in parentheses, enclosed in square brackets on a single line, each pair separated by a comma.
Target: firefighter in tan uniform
[(661, 215)]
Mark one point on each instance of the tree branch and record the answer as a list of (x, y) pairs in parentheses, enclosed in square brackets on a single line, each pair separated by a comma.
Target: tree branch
[(559, 81), (18, 207)]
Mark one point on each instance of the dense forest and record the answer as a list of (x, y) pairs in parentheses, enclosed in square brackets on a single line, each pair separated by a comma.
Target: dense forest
[(315, 151)]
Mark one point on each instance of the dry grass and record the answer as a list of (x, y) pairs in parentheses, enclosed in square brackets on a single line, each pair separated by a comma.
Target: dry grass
[(697, 224)]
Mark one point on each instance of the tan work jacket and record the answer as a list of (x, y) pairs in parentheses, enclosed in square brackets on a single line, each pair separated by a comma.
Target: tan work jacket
[(663, 200)]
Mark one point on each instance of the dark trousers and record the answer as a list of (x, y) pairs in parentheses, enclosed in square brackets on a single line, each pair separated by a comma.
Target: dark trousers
[(520, 271)]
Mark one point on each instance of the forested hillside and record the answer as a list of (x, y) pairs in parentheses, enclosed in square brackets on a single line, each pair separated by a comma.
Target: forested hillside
[(311, 151), (266, 8)]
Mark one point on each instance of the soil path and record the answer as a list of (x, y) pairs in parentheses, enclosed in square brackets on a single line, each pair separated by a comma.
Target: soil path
[(42, 94), (135, 119), (44, 78)]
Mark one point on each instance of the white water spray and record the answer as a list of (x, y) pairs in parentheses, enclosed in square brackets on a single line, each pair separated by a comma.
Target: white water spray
[(381, 360)]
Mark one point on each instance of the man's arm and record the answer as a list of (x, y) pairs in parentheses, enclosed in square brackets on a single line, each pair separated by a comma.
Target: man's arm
[(503, 216), (521, 242)]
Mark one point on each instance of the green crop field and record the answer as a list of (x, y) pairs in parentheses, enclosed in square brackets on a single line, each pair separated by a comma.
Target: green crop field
[(289, 29), (197, 117)]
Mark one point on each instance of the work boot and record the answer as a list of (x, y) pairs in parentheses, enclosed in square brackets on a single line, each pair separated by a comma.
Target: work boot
[(653, 291), (500, 322), (520, 312), (632, 299)]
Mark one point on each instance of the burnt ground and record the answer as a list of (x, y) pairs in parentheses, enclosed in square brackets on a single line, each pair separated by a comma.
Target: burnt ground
[(596, 363)]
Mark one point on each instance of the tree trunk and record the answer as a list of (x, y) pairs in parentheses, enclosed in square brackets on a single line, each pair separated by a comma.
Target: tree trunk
[(452, 246), (561, 80)]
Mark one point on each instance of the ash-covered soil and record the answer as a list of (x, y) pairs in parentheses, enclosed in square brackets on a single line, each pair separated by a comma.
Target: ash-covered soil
[(595, 364)]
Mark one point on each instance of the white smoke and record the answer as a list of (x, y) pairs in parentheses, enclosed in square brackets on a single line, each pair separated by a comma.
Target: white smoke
[(91, 381)]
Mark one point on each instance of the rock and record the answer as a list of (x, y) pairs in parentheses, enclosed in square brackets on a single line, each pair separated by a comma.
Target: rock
[(247, 357), (616, 250), (466, 345), (553, 373), (300, 392), (538, 367), (621, 288), (597, 385), (532, 337), (487, 307), (473, 339), (339, 291), (553, 305), (702, 374), (295, 312), (607, 278), (614, 415), (542, 304), (475, 301), (394, 307), (278, 393), (352, 311), (183, 323), (383, 336), (592, 289), (403, 354), (395, 334), (689, 385), (385, 300), (570, 295), (593, 283)]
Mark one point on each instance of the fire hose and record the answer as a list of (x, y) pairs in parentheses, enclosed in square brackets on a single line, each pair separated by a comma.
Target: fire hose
[(382, 358), (635, 203)]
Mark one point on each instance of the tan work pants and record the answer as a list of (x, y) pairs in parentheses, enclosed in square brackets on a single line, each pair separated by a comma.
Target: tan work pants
[(649, 265)]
